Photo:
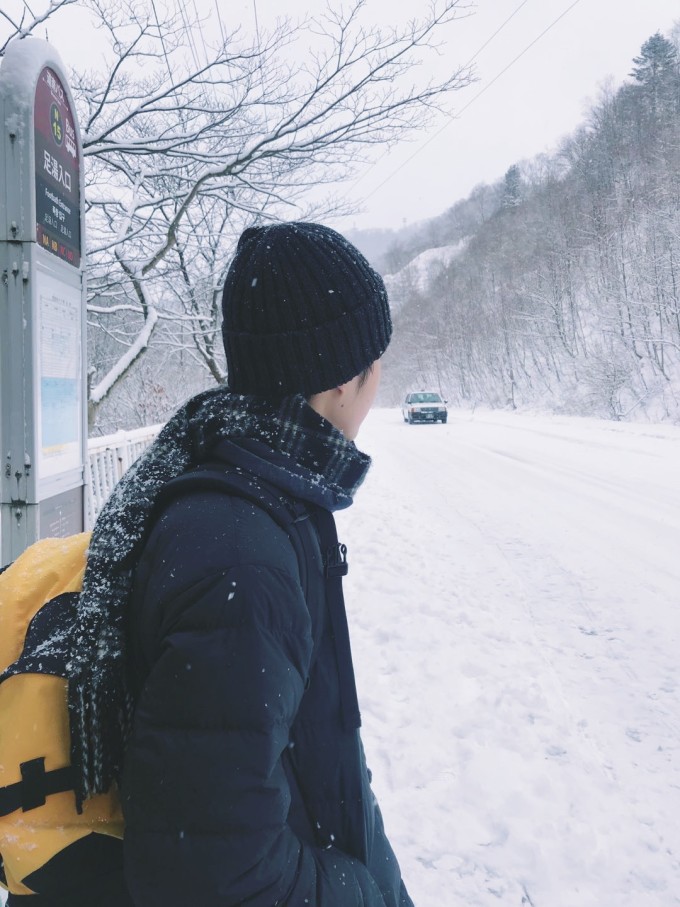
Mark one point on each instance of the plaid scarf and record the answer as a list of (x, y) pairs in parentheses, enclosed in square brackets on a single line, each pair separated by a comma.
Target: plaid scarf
[(100, 704)]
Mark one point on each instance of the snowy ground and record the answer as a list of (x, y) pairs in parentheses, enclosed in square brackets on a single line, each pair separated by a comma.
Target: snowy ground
[(514, 597)]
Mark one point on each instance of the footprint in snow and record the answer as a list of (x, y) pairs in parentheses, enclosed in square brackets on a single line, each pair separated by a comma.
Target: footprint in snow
[(555, 751), (588, 632)]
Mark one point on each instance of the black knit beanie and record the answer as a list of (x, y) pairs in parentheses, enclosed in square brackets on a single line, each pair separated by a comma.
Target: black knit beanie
[(303, 311)]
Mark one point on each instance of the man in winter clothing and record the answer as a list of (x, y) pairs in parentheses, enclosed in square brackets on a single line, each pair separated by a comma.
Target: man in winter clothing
[(237, 724)]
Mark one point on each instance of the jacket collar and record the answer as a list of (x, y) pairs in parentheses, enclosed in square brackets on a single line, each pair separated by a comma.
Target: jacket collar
[(307, 458)]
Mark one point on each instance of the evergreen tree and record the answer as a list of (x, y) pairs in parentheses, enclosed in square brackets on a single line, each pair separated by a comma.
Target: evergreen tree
[(512, 188), (657, 73)]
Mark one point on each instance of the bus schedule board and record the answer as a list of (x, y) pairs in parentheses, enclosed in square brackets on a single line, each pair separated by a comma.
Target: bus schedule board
[(59, 372), (57, 171)]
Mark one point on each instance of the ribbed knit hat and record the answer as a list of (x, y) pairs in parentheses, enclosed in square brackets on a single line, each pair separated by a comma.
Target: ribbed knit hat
[(303, 311)]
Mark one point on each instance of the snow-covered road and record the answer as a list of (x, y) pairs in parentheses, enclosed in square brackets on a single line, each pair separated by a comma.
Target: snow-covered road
[(514, 600)]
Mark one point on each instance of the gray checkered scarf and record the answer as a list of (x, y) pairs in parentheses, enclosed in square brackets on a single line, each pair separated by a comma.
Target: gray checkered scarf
[(99, 700)]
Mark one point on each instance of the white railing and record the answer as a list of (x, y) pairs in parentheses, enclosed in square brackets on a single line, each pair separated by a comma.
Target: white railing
[(109, 457)]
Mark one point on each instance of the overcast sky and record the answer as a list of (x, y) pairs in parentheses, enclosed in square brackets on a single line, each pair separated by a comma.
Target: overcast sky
[(541, 98), (538, 100)]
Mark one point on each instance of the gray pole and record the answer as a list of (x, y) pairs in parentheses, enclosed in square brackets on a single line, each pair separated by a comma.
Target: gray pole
[(43, 422)]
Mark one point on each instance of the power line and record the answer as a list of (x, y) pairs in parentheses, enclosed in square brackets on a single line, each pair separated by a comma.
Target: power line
[(160, 35), (201, 35), (475, 98), (498, 30), (219, 19), (257, 24), (266, 118), (189, 35), (465, 66), (259, 50), (518, 57)]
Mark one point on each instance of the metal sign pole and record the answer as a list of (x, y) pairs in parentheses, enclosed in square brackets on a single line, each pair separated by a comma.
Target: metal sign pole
[(43, 423)]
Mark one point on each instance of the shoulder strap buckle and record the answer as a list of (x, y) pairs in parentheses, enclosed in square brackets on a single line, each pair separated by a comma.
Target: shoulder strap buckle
[(335, 561)]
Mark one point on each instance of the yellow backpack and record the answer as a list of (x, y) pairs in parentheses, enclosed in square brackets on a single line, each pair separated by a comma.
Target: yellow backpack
[(38, 815)]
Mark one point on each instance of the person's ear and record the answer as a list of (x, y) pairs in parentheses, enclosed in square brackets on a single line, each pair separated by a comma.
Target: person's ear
[(341, 391)]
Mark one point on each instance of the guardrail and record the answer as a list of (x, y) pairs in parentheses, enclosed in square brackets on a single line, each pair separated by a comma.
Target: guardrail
[(109, 457)]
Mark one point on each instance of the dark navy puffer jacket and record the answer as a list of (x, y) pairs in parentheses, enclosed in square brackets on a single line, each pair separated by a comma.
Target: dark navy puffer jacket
[(242, 785)]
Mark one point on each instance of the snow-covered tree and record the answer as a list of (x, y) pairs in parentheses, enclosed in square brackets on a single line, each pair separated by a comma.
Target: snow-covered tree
[(657, 74), (512, 187), (572, 298), (25, 20), (192, 131)]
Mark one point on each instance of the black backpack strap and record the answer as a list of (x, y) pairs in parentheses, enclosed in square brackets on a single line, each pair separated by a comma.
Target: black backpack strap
[(335, 566), (288, 513)]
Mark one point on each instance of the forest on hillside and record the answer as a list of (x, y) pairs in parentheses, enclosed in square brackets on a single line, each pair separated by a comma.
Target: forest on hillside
[(562, 287)]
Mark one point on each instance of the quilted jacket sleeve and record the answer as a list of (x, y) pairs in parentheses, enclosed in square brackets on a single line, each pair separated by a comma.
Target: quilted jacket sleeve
[(204, 791)]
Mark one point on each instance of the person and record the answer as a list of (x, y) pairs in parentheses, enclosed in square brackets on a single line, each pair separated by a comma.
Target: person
[(236, 735)]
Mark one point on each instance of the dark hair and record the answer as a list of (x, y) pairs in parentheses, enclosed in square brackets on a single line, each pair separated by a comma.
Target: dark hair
[(365, 375)]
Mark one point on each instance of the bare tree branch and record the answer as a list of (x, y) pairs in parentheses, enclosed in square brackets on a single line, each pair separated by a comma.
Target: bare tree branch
[(21, 28)]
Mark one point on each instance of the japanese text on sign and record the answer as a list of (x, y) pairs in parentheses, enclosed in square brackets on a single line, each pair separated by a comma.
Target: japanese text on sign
[(57, 171)]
